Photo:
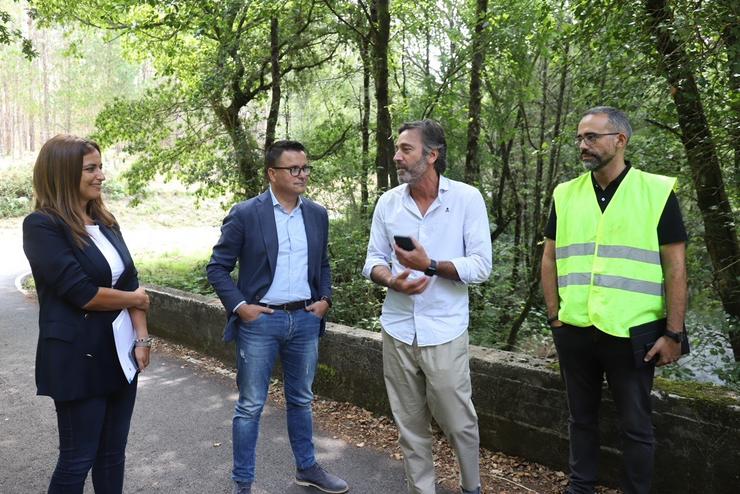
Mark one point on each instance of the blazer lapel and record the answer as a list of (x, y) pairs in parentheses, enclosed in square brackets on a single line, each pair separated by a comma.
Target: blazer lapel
[(266, 218), (312, 237)]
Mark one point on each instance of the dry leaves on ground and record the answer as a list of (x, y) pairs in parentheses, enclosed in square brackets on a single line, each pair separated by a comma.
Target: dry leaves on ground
[(500, 473)]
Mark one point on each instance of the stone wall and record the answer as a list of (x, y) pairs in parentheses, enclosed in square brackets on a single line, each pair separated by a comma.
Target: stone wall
[(520, 400)]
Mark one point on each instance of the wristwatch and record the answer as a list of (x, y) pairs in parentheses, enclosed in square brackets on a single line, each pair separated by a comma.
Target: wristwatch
[(327, 300), (432, 269), (677, 336)]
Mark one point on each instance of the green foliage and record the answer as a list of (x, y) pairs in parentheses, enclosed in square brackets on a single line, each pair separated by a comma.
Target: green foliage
[(357, 301), (16, 191), (187, 273), (213, 61), (9, 34), (64, 88), (201, 119)]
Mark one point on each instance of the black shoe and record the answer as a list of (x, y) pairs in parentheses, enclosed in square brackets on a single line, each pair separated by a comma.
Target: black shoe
[(319, 478), (242, 488)]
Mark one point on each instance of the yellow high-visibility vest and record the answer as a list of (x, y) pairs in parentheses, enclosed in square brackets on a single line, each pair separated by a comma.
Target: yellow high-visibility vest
[(609, 270)]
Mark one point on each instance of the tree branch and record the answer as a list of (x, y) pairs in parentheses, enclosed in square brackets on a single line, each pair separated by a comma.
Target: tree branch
[(332, 147), (663, 126)]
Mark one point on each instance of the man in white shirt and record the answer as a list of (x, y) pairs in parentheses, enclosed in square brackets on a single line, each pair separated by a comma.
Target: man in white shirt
[(425, 314)]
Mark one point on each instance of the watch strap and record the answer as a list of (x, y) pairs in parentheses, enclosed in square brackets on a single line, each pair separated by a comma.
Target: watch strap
[(676, 336), (432, 269)]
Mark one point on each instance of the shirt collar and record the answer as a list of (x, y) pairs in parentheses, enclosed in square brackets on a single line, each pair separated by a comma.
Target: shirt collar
[(614, 183), (275, 201), (444, 184)]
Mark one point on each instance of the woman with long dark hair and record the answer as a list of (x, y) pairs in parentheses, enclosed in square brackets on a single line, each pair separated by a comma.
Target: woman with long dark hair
[(88, 290)]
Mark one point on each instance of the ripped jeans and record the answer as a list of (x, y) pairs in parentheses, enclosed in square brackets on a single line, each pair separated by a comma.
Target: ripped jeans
[(293, 335)]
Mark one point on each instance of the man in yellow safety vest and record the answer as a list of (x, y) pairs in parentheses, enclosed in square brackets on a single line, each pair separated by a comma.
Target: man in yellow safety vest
[(614, 259)]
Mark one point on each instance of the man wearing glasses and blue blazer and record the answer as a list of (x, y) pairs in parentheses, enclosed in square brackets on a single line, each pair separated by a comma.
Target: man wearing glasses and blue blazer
[(277, 307)]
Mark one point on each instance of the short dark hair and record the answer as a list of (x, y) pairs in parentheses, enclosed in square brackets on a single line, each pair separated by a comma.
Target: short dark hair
[(277, 148), (617, 118), (432, 137)]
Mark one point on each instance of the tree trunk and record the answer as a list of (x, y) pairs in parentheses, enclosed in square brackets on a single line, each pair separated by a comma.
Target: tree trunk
[(251, 178), (540, 164), (272, 117), (46, 102), (365, 125), (719, 223), (4, 118), (517, 245), (560, 110), (522, 316), (472, 167), (31, 87), (731, 38), (384, 168)]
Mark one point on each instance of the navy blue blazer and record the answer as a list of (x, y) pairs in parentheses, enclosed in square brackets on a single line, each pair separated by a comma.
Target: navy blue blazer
[(249, 235), (76, 355)]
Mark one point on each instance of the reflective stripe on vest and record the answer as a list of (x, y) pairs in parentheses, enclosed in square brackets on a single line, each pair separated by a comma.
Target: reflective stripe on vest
[(612, 252), (574, 279), (628, 284), (575, 250), (631, 253)]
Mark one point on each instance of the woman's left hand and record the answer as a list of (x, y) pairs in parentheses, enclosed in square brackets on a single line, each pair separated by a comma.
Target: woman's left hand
[(142, 357)]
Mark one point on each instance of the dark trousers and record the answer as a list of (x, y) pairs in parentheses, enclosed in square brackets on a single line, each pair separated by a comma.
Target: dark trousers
[(586, 355), (93, 434)]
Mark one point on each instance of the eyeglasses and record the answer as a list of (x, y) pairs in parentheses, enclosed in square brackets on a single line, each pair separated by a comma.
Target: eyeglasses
[(591, 137), (295, 170)]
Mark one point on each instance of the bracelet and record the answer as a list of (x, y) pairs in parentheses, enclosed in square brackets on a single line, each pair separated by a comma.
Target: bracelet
[(552, 319), (143, 342)]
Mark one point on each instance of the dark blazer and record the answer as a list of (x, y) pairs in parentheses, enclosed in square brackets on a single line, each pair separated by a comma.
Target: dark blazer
[(76, 356), (249, 235)]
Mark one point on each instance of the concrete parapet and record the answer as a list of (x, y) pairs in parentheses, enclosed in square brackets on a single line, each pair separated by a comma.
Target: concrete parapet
[(520, 400)]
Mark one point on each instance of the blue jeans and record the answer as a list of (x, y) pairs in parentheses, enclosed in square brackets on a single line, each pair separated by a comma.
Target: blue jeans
[(294, 336), (93, 434)]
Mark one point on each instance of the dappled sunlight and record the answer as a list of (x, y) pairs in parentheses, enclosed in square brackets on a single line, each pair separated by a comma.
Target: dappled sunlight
[(279, 438), (215, 402), (174, 382), (167, 461), (328, 449)]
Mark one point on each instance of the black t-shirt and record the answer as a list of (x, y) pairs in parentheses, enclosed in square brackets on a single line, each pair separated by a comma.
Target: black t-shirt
[(670, 227)]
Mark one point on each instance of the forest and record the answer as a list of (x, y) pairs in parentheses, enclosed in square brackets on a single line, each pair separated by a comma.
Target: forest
[(195, 90)]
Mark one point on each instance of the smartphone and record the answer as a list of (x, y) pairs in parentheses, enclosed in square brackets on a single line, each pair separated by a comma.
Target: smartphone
[(132, 356), (404, 242)]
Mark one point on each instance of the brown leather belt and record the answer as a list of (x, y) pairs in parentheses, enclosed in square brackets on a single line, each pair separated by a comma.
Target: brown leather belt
[(290, 306)]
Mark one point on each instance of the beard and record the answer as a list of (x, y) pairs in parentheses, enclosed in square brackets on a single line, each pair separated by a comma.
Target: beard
[(411, 174), (594, 162)]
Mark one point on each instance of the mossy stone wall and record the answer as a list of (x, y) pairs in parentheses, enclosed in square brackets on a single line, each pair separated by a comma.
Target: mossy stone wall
[(520, 400)]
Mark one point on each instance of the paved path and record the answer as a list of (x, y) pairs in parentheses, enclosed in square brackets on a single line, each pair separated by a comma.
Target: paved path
[(180, 441)]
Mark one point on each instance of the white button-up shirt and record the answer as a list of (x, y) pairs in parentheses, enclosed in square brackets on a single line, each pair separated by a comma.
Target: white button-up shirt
[(455, 228)]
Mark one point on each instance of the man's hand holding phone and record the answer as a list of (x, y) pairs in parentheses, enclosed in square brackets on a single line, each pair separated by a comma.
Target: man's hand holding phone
[(415, 257)]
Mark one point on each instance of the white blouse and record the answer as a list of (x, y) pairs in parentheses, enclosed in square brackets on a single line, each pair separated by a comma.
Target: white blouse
[(109, 252)]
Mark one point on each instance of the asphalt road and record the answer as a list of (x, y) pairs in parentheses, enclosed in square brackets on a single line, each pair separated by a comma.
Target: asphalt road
[(180, 441)]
